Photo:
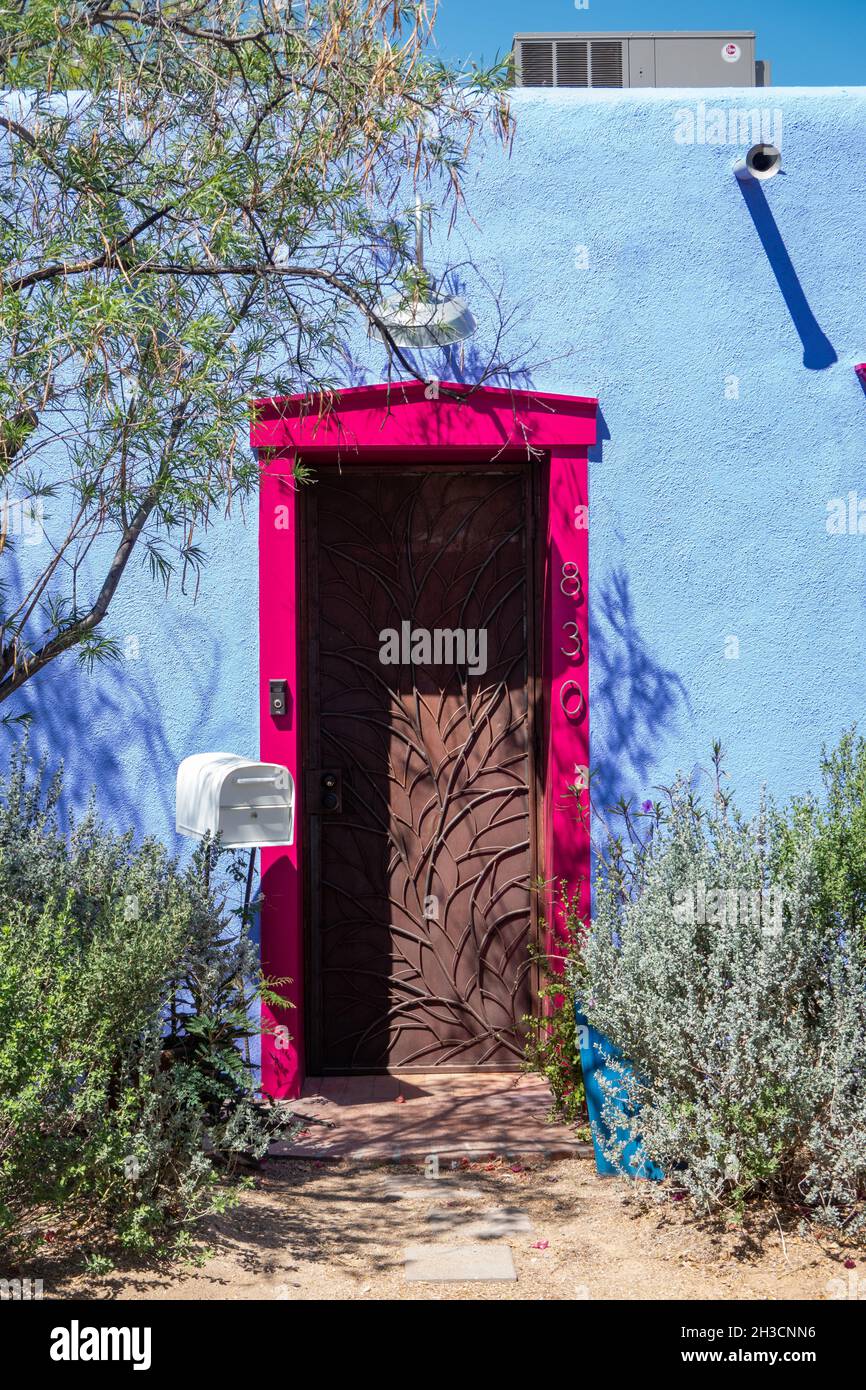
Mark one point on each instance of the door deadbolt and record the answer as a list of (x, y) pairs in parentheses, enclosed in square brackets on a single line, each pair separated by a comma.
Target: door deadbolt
[(328, 783)]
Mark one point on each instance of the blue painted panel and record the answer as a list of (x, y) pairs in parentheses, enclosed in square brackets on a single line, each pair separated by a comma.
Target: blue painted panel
[(720, 334)]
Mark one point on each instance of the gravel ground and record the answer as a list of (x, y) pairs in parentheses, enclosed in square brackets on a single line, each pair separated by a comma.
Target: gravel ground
[(314, 1230)]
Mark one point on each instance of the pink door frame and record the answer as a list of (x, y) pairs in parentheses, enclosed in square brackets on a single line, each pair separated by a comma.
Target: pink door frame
[(441, 423)]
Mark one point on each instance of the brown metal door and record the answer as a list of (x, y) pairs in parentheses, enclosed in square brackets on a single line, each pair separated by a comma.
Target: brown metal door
[(419, 782)]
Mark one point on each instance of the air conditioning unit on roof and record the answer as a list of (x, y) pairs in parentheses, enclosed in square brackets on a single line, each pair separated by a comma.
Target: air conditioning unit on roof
[(639, 59)]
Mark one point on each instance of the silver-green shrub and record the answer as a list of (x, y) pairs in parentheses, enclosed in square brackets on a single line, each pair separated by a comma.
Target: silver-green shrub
[(740, 1005)]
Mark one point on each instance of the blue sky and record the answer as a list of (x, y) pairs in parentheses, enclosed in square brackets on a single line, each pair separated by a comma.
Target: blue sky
[(809, 42)]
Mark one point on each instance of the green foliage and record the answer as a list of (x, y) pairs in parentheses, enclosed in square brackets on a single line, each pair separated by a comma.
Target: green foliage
[(838, 822), (197, 202), (727, 965), (552, 1048), (126, 994)]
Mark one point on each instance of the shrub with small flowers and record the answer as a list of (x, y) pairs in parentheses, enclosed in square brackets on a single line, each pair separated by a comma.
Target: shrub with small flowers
[(552, 1049), (739, 998), (127, 1001)]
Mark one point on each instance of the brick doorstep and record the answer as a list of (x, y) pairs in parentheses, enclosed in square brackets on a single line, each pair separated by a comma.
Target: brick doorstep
[(454, 1116)]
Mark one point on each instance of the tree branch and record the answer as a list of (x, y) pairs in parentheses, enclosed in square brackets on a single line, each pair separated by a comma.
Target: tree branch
[(72, 635), (108, 259)]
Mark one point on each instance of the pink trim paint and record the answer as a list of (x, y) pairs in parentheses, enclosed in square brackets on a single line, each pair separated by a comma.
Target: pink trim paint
[(387, 424)]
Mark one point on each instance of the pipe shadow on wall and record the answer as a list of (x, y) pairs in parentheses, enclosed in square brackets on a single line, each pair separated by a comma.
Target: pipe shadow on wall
[(62, 713), (641, 700), (818, 351), (115, 736), (91, 730)]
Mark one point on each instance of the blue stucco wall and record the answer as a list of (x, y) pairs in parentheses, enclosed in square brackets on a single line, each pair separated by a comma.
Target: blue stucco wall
[(632, 268)]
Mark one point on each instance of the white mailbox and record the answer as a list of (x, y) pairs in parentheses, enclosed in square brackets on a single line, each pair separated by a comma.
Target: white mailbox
[(247, 804)]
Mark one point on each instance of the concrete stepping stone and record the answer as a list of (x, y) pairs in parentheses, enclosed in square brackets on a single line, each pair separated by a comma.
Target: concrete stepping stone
[(438, 1189), (485, 1225), (459, 1264)]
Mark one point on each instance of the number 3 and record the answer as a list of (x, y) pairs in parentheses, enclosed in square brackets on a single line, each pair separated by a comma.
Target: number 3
[(576, 638)]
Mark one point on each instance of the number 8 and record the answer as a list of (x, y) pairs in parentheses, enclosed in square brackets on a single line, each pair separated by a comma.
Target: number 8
[(570, 576)]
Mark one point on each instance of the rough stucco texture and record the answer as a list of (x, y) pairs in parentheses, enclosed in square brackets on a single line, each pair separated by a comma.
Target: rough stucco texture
[(637, 271)]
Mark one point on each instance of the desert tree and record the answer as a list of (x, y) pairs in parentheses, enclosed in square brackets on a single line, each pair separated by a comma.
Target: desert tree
[(198, 199)]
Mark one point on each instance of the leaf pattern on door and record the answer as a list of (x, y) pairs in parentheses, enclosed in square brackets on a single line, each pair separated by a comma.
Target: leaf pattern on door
[(422, 907)]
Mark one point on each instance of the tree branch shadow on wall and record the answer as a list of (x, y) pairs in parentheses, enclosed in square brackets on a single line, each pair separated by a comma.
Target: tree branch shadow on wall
[(641, 700), (78, 731), (93, 722), (466, 363), (818, 351)]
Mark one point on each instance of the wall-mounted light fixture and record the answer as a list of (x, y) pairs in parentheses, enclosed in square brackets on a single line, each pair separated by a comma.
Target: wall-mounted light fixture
[(424, 317), (761, 162)]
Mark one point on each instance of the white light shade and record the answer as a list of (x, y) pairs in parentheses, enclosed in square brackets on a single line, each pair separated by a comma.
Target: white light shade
[(435, 322)]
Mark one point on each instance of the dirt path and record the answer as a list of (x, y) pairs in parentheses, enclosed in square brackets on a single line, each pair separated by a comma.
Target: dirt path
[(337, 1231)]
